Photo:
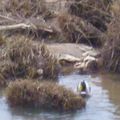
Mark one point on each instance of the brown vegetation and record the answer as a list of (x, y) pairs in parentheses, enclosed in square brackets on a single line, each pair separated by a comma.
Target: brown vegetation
[(79, 21), (78, 30), (24, 17), (94, 11), (50, 66), (25, 8), (46, 95), (23, 58), (92, 22), (84, 21), (2, 40), (111, 49)]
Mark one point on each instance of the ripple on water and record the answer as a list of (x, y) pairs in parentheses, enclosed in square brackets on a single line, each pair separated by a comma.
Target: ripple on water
[(99, 105)]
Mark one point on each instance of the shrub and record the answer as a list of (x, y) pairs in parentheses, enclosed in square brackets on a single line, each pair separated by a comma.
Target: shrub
[(78, 30), (24, 53), (45, 95), (94, 11), (24, 58), (111, 49), (50, 65)]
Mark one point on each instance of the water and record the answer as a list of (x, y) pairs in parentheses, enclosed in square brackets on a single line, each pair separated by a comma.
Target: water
[(104, 102)]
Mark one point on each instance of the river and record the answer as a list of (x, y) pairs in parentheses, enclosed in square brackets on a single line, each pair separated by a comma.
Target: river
[(104, 102)]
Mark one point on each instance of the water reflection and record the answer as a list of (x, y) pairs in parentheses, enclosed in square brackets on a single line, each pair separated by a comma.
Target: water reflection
[(98, 105), (33, 114), (111, 82), (103, 104), (22, 114)]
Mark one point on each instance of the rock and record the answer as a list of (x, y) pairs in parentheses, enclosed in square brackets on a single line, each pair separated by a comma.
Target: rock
[(69, 58), (80, 56), (81, 66), (49, 1), (91, 66), (92, 53), (89, 58), (77, 65), (99, 62), (40, 72), (77, 50)]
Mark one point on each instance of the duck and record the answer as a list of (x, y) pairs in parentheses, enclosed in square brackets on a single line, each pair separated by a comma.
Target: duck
[(84, 89)]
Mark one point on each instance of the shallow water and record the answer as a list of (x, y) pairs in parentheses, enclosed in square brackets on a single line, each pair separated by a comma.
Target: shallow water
[(104, 102)]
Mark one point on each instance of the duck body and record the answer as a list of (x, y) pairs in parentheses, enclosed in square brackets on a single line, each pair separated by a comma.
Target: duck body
[(84, 89)]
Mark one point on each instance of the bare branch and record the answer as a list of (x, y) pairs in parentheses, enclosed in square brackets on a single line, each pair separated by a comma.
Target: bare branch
[(24, 26)]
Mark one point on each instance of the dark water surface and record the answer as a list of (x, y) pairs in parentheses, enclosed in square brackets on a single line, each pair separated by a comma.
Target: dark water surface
[(104, 103)]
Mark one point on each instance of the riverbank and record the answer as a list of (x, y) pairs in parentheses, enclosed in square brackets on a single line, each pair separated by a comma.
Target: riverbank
[(80, 57), (39, 38)]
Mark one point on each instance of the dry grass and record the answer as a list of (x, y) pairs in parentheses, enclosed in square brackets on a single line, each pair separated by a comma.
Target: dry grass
[(111, 50), (32, 13), (77, 22), (2, 40), (22, 50), (46, 95), (20, 58), (94, 11), (26, 8), (115, 8), (24, 58), (84, 21), (50, 65), (77, 30)]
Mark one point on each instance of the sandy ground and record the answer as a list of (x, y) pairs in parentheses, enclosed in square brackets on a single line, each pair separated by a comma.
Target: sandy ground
[(76, 50)]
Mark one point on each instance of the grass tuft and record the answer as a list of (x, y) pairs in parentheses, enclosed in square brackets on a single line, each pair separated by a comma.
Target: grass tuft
[(25, 58), (25, 9), (111, 49), (45, 95)]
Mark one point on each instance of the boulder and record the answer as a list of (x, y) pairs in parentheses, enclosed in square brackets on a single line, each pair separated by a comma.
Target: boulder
[(89, 58), (81, 66), (69, 58), (91, 66)]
